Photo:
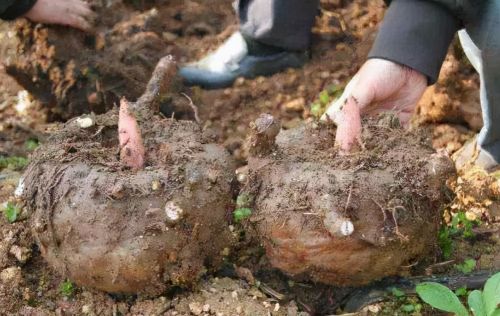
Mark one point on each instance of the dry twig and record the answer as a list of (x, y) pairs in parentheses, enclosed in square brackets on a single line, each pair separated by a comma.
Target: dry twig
[(193, 107)]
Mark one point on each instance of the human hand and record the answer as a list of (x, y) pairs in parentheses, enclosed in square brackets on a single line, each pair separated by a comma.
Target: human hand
[(74, 13), (380, 85)]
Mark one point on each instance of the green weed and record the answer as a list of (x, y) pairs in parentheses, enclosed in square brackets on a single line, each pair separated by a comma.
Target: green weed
[(31, 144), (467, 266), (480, 303), (242, 214), (13, 163), (11, 211), (67, 288), (324, 99), (460, 227)]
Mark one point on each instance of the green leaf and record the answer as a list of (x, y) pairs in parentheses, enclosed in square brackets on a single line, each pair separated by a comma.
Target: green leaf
[(11, 211), (241, 214), (408, 308), (467, 266), (13, 163), (461, 291), (445, 242), (67, 288), (324, 97), (476, 303), (397, 292), (31, 144), (316, 109), (491, 295), (441, 297)]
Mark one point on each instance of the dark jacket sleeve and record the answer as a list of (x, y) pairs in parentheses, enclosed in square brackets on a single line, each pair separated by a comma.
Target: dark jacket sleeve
[(416, 33), (11, 9)]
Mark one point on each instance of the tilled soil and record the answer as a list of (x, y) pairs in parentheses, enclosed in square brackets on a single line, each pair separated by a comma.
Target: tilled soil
[(188, 29)]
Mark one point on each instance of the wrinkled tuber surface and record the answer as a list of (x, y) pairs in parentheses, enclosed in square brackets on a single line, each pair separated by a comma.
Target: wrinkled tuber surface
[(344, 220), (115, 225)]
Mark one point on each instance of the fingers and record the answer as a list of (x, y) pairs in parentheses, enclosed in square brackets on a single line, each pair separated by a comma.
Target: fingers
[(80, 15), (74, 13), (77, 22), (83, 9), (80, 7), (348, 126)]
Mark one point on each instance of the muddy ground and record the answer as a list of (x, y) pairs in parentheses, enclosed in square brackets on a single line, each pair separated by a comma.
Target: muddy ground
[(246, 284)]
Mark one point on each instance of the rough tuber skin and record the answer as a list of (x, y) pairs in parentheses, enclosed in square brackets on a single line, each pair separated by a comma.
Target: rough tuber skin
[(131, 231), (346, 220), (264, 130)]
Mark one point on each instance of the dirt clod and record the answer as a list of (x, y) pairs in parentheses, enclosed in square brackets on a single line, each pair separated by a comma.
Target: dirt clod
[(22, 254), (72, 72)]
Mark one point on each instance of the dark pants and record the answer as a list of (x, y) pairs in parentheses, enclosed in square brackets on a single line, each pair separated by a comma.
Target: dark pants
[(282, 23), (481, 43)]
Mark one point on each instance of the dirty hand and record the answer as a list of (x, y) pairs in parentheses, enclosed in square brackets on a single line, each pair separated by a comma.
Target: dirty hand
[(380, 85), (74, 13)]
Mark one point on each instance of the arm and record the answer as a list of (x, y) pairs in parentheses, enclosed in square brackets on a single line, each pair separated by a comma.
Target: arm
[(74, 13), (417, 34), (11, 9), (407, 55)]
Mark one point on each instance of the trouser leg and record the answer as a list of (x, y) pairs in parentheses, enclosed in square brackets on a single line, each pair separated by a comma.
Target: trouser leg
[(481, 42), (282, 23)]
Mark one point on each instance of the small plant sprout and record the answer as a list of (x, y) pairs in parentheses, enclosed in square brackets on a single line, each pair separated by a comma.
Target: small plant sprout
[(461, 291), (467, 266), (460, 227), (243, 210), (11, 211), (481, 303), (397, 292), (67, 288), (241, 214), (325, 97), (31, 144), (13, 163)]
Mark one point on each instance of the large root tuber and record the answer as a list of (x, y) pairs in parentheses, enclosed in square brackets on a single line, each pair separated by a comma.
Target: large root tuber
[(345, 220), (131, 231)]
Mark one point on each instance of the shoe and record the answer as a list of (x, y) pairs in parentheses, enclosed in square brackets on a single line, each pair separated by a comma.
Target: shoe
[(471, 154), (239, 57)]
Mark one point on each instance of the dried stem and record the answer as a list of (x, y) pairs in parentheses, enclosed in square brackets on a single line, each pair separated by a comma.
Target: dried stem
[(148, 103)]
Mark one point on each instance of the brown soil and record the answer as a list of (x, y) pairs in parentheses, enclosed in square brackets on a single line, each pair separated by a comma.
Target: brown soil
[(188, 29), (454, 98), (73, 73), (345, 220)]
